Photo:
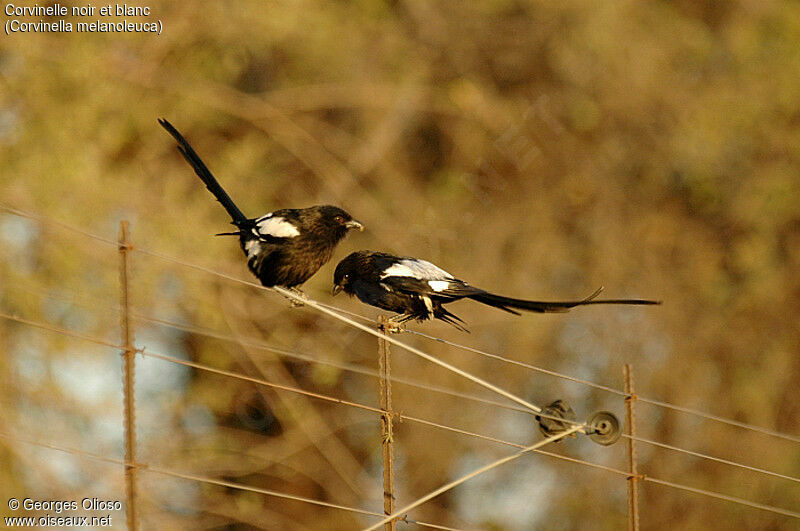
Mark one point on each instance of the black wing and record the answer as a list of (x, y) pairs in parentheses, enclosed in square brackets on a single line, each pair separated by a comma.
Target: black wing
[(448, 289)]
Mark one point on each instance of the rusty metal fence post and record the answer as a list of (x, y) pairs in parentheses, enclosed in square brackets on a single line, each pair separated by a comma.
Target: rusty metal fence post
[(128, 379), (387, 433), (633, 479)]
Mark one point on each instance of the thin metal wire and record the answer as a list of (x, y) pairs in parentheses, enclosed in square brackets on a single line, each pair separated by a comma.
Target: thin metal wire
[(49, 221), (240, 486), (399, 416), (712, 458), (725, 497), (723, 420), (660, 403), (60, 330), (204, 479), (483, 383), (151, 354)]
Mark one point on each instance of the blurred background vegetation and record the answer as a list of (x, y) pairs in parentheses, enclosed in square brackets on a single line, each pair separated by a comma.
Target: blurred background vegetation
[(538, 149)]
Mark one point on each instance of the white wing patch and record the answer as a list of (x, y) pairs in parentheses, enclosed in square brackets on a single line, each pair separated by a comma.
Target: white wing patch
[(419, 269), (253, 247), (277, 227), (438, 285), (428, 304)]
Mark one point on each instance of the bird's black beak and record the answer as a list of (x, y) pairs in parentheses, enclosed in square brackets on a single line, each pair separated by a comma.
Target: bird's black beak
[(336, 289), (353, 224)]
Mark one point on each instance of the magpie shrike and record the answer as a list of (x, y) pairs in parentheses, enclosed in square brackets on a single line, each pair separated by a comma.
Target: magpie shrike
[(285, 247), (417, 289)]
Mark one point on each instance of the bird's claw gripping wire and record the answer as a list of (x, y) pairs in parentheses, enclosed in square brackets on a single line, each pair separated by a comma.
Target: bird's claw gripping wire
[(392, 325), (294, 302)]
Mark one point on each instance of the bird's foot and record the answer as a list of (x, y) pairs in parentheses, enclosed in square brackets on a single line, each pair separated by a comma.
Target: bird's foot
[(392, 326), (294, 302)]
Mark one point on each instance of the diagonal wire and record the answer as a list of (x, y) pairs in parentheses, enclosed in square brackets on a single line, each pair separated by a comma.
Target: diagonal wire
[(655, 443), (471, 475), (740, 501)]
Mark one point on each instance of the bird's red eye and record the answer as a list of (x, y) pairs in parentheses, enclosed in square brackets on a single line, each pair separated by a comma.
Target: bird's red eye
[(338, 219)]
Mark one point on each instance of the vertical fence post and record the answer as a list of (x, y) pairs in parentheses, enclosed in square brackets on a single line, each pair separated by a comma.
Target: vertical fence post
[(633, 479), (387, 433), (127, 381)]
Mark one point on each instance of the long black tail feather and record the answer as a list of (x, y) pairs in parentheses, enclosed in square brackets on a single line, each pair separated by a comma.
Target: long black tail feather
[(506, 303), (205, 174)]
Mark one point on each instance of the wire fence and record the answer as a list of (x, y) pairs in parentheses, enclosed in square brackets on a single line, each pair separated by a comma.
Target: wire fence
[(370, 326)]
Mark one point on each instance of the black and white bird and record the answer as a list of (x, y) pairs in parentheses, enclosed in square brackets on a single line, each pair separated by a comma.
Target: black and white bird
[(285, 247), (417, 289)]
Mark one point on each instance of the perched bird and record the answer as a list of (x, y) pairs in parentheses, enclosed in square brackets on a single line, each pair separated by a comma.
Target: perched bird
[(285, 247), (417, 289)]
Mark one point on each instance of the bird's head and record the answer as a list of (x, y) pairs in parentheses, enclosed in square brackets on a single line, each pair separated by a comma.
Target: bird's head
[(335, 220), (344, 274)]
